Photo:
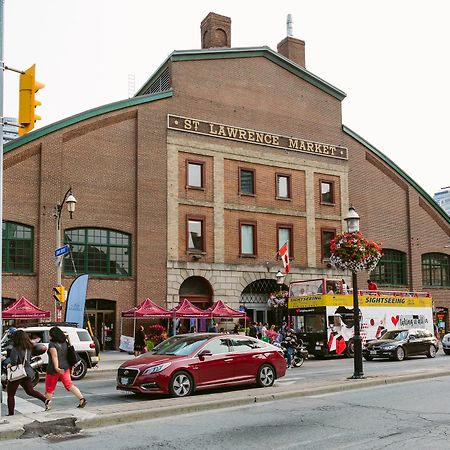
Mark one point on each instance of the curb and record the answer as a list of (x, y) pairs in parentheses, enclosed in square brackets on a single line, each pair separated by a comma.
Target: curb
[(87, 419), (339, 386)]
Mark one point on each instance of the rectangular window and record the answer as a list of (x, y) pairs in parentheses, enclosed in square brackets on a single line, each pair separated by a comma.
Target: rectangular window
[(327, 236), (283, 186), (284, 234), (248, 239), (247, 181), (327, 192), (195, 235), (194, 174)]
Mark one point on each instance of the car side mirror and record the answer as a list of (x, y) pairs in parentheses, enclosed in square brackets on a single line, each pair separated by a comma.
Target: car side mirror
[(204, 353), (412, 338)]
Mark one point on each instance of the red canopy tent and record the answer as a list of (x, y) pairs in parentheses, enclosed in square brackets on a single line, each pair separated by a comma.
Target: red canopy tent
[(147, 308), (22, 308), (220, 309), (186, 310)]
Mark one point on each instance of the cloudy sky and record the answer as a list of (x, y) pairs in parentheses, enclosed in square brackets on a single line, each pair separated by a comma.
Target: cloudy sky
[(389, 57)]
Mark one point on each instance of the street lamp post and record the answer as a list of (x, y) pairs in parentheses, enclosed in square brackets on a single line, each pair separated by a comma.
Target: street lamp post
[(280, 281), (70, 201), (352, 220)]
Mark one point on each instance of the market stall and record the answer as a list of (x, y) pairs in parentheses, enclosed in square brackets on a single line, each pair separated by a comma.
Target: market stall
[(22, 308), (146, 310), (186, 310)]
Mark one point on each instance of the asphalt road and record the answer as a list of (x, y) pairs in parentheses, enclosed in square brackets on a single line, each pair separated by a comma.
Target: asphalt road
[(401, 416), (100, 387)]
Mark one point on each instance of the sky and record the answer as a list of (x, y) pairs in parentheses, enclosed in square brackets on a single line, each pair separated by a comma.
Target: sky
[(391, 58)]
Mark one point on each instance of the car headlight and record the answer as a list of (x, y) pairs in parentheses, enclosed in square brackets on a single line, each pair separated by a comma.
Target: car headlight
[(156, 369), (388, 347)]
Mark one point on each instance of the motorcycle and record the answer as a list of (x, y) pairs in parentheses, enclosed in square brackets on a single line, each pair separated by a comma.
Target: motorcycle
[(36, 364), (299, 355)]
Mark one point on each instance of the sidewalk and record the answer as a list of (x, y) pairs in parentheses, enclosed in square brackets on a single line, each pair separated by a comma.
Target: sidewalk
[(111, 360), (39, 424)]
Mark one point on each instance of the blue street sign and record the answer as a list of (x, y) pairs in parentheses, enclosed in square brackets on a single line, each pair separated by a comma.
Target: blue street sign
[(62, 250)]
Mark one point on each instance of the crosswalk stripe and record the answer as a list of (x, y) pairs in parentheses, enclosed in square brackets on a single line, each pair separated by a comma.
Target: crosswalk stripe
[(24, 406)]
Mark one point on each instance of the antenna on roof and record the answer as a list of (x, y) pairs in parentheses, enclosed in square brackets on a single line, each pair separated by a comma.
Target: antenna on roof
[(131, 85), (289, 24)]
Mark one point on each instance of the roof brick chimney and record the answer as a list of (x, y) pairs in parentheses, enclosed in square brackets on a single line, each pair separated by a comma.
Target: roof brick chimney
[(216, 31), (292, 48)]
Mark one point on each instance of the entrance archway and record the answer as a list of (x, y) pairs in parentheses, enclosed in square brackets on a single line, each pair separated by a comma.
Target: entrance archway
[(254, 299), (102, 317), (199, 292)]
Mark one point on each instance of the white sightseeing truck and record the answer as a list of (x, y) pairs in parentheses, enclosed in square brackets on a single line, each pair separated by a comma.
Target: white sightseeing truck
[(321, 313)]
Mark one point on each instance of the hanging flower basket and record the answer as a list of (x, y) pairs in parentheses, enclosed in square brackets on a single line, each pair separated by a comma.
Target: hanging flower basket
[(352, 251), (278, 299)]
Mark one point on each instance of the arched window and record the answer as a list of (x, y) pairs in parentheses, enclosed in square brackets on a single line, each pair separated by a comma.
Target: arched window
[(391, 269), (98, 251), (17, 247), (435, 270)]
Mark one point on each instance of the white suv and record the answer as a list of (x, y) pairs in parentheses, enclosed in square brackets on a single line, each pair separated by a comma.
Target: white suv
[(78, 337)]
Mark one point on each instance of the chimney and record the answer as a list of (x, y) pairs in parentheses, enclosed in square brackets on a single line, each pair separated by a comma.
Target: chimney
[(216, 31), (290, 47)]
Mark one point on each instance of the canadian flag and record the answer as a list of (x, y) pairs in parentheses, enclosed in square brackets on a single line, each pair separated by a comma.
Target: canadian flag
[(284, 255)]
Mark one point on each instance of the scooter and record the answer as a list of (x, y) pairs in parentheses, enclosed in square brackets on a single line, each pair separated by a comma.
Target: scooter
[(299, 355), (36, 363)]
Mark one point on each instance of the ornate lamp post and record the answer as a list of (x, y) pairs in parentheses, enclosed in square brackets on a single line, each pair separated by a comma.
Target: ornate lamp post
[(352, 220), (280, 281), (70, 201)]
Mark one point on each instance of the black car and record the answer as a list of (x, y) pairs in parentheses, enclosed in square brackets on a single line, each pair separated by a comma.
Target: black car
[(399, 344)]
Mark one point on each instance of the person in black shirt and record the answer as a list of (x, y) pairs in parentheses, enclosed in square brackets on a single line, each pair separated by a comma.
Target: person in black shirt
[(20, 353)]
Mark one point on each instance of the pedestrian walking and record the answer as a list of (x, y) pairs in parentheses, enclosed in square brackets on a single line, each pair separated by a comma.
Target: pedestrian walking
[(21, 354), (58, 368), (139, 341)]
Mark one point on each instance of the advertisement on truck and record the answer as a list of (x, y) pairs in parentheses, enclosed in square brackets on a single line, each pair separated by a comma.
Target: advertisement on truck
[(321, 313)]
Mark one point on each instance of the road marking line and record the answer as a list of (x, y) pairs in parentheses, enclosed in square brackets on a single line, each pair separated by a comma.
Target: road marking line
[(24, 406)]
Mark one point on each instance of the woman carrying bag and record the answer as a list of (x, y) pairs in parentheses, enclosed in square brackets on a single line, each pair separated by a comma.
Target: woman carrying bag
[(59, 368), (20, 356)]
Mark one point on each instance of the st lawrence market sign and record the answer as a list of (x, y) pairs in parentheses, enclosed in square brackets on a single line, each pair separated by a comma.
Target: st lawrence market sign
[(222, 131)]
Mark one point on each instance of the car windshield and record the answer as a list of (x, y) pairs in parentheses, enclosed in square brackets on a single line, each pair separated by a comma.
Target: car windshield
[(396, 335), (179, 345)]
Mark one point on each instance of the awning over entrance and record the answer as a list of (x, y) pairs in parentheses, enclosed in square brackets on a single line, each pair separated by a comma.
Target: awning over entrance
[(147, 309), (22, 308), (220, 309)]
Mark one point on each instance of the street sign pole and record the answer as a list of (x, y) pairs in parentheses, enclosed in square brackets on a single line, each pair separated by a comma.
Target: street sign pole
[(2, 68)]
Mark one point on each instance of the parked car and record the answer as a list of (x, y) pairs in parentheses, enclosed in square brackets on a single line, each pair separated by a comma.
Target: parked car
[(78, 337), (399, 344), (446, 343), (186, 363)]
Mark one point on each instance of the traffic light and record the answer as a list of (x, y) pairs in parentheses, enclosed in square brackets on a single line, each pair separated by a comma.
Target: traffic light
[(59, 293), (27, 101)]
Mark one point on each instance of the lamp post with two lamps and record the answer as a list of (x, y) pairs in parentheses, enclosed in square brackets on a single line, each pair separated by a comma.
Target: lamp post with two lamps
[(58, 290), (352, 220)]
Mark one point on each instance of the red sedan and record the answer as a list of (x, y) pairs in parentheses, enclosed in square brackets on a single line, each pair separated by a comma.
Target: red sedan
[(183, 364)]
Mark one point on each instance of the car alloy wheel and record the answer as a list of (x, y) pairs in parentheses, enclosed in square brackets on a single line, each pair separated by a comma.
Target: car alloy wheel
[(80, 370), (431, 351), (266, 376), (181, 385), (400, 354)]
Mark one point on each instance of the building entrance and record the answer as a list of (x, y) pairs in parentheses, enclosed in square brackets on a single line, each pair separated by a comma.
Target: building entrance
[(102, 317)]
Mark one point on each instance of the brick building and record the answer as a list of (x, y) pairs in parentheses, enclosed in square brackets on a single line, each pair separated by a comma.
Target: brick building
[(189, 189)]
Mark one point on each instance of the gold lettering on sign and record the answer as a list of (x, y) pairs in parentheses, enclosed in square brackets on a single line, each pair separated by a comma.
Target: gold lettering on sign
[(255, 137)]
